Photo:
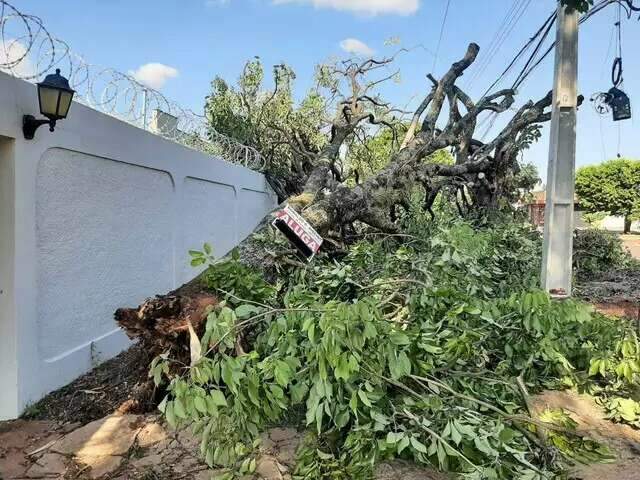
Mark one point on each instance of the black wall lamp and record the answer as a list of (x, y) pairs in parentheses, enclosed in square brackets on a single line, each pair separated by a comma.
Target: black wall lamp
[(54, 98)]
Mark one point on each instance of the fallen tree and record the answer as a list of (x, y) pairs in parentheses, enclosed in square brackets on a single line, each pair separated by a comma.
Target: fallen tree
[(415, 335), (331, 197)]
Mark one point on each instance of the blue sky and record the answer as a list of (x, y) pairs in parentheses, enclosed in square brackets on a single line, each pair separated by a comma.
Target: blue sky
[(199, 39)]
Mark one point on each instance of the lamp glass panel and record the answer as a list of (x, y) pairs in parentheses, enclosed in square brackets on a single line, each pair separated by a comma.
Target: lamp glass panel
[(65, 103), (48, 100)]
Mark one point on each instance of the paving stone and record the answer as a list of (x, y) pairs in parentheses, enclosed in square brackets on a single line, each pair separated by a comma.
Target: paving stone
[(286, 452), (187, 464), (19, 437), (112, 435), (188, 440), (21, 434), (102, 465), (268, 468), (49, 465), (266, 444), (153, 460), (207, 474), (13, 464)]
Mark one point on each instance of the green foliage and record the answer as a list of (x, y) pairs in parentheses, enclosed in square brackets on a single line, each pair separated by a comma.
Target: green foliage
[(405, 347), (521, 182), (598, 251), (231, 277), (613, 187), (624, 410), (373, 154), (268, 119), (578, 449)]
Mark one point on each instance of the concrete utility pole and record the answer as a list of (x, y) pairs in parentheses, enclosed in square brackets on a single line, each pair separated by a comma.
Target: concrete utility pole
[(558, 221)]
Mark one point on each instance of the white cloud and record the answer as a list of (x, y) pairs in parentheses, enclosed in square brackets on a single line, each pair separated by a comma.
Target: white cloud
[(367, 7), (13, 59), (154, 75), (356, 47)]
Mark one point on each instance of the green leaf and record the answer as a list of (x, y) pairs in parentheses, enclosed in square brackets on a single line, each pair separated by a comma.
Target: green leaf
[(393, 437), (246, 310), (282, 373), (342, 370), (298, 391), (418, 445), (594, 367), (404, 364), (209, 457), (207, 248), (456, 437), (398, 338), (402, 444), (200, 404), (170, 415), (163, 404), (197, 261), (218, 398), (319, 414), (178, 408), (364, 398)]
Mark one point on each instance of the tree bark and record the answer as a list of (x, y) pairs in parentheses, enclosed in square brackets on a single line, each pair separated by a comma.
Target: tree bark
[(627, 224)]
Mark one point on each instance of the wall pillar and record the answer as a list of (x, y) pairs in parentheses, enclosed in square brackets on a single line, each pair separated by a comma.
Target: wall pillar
[(9, 402)]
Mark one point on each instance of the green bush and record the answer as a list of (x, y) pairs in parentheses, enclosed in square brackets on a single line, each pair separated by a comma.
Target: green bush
[(598, 251), (408, 346)]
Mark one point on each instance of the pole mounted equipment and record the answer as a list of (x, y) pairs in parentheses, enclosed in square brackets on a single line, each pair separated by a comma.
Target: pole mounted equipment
[(615, 100)]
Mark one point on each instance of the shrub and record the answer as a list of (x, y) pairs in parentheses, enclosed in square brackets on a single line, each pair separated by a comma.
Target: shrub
[(598, 251)]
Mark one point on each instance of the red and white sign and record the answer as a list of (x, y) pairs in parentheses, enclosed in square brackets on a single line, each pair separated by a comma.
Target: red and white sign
[(291, 221)]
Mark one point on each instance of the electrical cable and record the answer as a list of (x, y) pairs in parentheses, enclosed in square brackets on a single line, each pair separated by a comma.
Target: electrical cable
[(602, 4), (508, 24), (616, 69), (444, 21), (549, 21), (606, 57), (595, 9), (521, 76), (485, 59)]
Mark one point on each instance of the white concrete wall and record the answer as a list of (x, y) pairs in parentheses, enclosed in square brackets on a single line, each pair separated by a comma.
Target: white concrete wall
[(610, 222), (616, 224), (97, 215)]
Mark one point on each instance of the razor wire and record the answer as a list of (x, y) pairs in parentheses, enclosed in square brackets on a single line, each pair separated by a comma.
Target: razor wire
[(29, 51)]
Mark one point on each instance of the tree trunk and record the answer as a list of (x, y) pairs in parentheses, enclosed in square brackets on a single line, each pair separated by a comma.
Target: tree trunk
[(627, 224)]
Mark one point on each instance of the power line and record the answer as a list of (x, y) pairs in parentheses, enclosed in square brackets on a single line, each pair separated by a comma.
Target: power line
[(606, 57), (522, 75), (444, 21), (546, 25), (494, 39), (595, 9), (486, 59), (544, 31), (518, 12)]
